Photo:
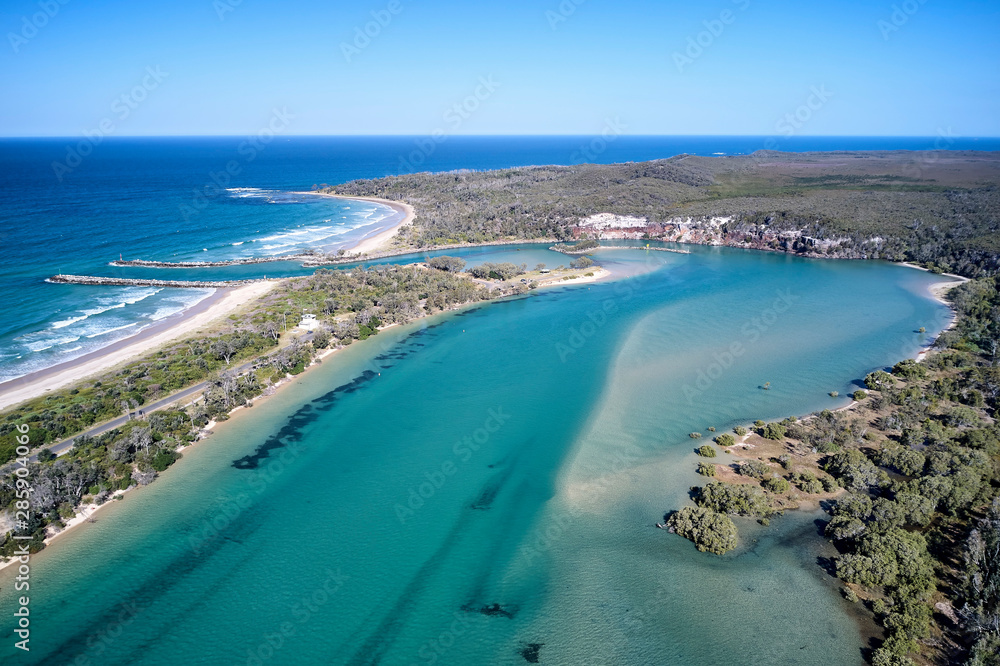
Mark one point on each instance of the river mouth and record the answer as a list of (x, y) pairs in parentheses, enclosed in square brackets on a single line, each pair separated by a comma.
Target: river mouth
[(481, 487)]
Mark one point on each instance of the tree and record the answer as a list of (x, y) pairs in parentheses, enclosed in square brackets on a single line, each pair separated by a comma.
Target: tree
[(775, 431), (853, 469), (710, 531), (321, 339), (581, 262), (725, 440), (45, 455), (879, 380), (776, 484), (909, 369), (224, 349), (706, 451), (754, 469), (447, 264)]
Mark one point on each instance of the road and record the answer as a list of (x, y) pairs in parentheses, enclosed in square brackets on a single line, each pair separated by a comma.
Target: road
[(60, 448)]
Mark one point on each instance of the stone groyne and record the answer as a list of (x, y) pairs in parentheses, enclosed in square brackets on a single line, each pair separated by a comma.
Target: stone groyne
[(143, 263), (128, 282), (569, 250)]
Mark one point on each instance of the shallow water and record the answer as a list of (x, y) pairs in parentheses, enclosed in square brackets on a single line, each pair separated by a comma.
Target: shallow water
[(513, 453)]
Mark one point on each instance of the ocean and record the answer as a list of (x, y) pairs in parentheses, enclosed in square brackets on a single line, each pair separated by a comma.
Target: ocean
[(72, 207)]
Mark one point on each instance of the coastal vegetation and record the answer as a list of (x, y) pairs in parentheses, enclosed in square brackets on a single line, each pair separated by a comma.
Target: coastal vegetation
[(709, 530), (350, 306), (914, 471), (900, 206)]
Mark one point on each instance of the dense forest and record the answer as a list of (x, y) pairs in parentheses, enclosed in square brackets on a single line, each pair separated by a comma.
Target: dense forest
[(937, 209), (912, 473)]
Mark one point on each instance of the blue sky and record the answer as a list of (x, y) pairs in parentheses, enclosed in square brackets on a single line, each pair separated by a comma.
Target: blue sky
[(848, 67)]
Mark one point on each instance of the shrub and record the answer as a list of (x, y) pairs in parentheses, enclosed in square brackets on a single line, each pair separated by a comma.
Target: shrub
[(446, 263), (807, 482), (755, 469), (776, 484), (879, 380), (710, 531), (859, 395), (904, 460), (163, 460), (724, 440), (740, 431), (853, 469), (834, 394), (706, 469), (741, 500), (775, 431), (706, 451), (694, 435), (909, 369)]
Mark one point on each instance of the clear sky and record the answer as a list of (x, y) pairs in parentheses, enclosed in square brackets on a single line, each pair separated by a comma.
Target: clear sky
[(848, 67)]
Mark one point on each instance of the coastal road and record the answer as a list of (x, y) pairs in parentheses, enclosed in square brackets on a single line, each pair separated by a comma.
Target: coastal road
[(61, 447)]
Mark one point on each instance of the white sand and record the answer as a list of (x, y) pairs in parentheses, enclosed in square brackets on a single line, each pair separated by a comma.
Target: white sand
[(379, 241), (143, 343)]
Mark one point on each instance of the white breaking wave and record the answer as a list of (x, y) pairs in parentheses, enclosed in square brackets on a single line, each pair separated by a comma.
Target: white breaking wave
[(42, 345), (112, 330), (130, 296)]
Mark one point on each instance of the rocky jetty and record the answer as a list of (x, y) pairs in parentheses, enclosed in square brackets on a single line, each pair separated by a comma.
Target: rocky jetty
[(128, 282)]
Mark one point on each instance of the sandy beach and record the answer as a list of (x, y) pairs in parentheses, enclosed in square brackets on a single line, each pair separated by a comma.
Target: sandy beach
[(403, 215), (220, 304)]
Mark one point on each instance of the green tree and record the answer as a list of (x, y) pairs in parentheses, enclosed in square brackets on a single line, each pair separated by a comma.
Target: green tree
[(710, 531)]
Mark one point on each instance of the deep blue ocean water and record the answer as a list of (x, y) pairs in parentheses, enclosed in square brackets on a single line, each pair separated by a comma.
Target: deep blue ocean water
[(172, 198)]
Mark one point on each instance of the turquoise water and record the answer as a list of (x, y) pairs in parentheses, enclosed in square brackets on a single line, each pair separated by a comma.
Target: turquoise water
[(514, 453), (208, 198)]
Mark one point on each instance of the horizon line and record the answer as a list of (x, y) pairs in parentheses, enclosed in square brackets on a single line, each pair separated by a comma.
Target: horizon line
[(500, 135)]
